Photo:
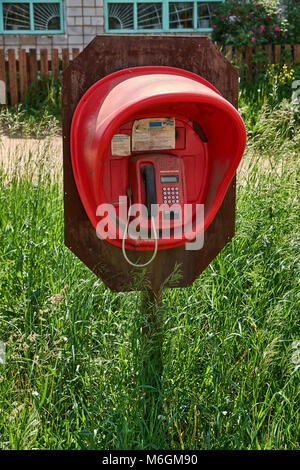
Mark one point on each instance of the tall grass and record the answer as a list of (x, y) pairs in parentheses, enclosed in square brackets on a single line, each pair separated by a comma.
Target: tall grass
[(74, 373)]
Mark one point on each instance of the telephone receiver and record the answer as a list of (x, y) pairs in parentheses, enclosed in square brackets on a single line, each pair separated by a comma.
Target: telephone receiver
[(148, 172), (157, 181)]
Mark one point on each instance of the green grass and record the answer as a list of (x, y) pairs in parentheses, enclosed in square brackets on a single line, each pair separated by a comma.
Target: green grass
[(74, 374)]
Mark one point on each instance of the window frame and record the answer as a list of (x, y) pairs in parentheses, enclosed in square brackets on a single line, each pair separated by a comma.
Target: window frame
[(165, 17), (31, 15)]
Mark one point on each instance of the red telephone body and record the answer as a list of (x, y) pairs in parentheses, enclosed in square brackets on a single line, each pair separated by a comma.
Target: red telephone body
[(189, 161), (209, 142)]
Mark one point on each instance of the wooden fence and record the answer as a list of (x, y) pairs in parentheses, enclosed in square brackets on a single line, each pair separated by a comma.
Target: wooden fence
[(250, 60), (19, 71)]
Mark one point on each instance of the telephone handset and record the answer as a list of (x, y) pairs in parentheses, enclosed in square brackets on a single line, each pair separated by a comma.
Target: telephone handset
[(148, 172), (156, 181)]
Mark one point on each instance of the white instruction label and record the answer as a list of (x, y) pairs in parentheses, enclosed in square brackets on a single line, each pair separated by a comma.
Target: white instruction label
[(153, 134), (120, 145)]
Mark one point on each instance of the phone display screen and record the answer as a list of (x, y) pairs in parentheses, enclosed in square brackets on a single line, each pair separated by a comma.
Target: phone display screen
[(169, 179)]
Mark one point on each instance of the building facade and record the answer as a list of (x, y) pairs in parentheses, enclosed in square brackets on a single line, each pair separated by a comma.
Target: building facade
[(60, 24)]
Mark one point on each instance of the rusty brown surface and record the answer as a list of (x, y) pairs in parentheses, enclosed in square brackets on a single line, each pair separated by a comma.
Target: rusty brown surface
[(105, 55)]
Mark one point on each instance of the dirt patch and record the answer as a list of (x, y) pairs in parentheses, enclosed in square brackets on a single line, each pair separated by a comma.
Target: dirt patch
[(31, 156)]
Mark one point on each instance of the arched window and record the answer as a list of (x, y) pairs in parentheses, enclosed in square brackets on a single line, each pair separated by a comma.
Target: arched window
[(158, 15), (30, 16)]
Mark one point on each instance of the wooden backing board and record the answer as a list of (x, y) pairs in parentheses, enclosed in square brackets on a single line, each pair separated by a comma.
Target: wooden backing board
[(107, 54)]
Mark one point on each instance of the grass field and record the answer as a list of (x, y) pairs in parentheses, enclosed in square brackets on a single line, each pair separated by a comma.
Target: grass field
[(73, 375)]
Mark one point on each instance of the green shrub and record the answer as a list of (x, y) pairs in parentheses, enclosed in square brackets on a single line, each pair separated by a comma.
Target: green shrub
[(38, 116), (44, 95), (240, 23)]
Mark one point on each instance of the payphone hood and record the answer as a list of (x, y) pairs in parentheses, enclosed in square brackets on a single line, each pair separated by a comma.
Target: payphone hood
[(135, 92)]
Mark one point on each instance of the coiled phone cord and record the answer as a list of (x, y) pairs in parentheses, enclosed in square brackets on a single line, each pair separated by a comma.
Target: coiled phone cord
[(126, 233)]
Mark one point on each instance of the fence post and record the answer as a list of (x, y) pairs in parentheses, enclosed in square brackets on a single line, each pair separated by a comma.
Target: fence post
[(44, 62), (277, 53), (23, 73), (13, 84), (269, 51), (33, 68), (65, 58), (54, 64), (296, 52)]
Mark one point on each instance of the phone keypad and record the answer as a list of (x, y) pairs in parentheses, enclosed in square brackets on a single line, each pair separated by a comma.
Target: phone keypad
[(170, 194)]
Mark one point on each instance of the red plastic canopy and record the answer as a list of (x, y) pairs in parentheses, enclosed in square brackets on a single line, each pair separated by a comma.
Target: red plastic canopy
[(135, 93)]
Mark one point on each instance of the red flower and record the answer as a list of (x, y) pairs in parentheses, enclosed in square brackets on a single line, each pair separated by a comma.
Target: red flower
[(214, 26), (253, 39), (277, 29), (261, 27), (223, 17)]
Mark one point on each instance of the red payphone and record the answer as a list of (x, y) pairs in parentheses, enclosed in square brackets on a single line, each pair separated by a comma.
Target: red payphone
[(160, 137)]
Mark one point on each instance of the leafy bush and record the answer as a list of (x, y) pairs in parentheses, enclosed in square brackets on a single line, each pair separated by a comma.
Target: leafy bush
[(291, 10), (240, 23), (44, 95), (38, 116)]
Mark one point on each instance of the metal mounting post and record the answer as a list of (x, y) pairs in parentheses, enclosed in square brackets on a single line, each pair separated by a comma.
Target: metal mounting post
[(152, 340)]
